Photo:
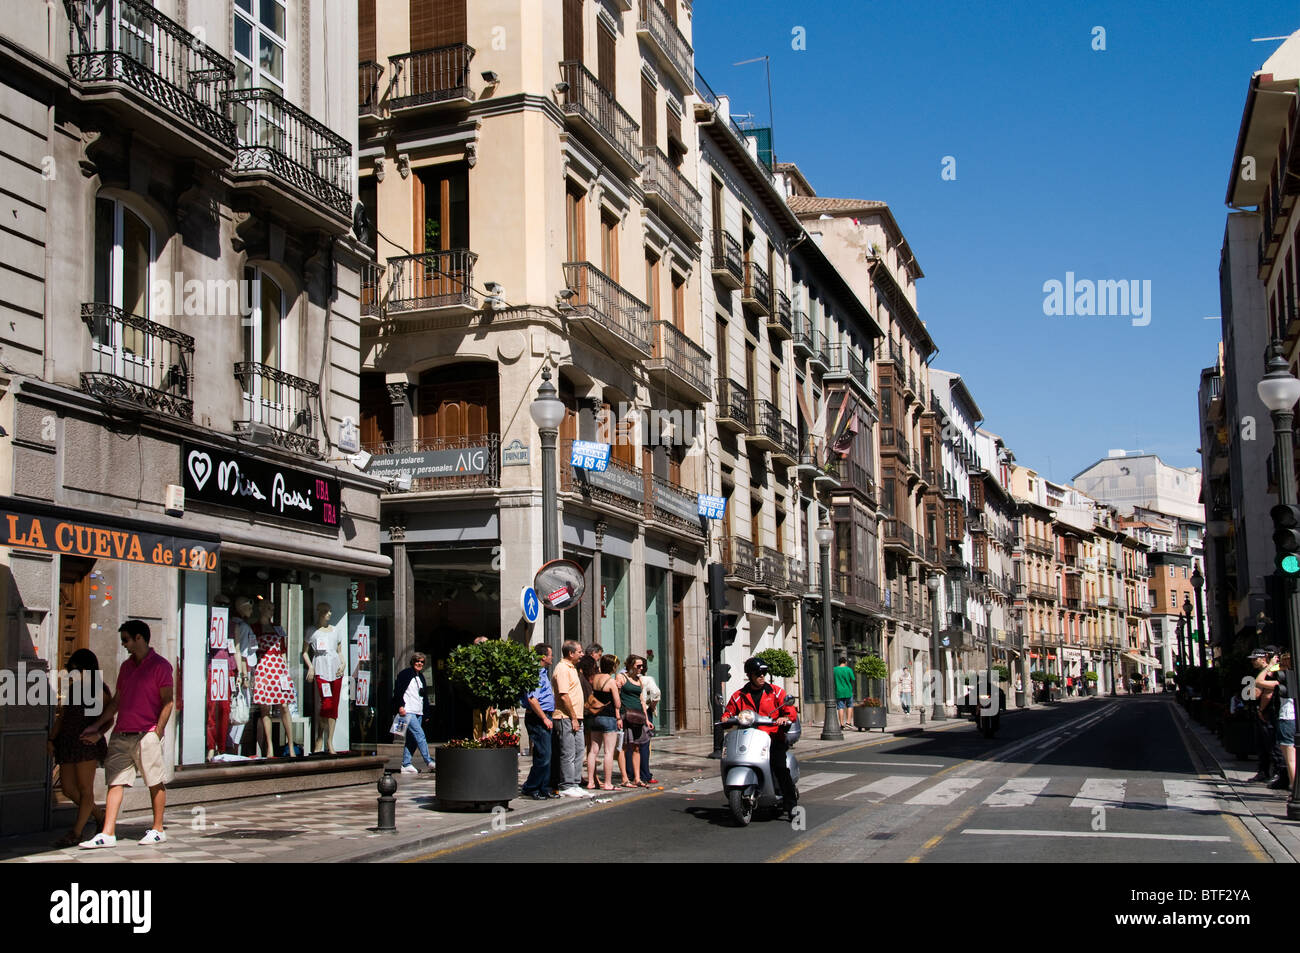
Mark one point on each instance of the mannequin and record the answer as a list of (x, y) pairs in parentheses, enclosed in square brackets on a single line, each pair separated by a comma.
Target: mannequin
[(272, 686), (239, 638), (323, 656)]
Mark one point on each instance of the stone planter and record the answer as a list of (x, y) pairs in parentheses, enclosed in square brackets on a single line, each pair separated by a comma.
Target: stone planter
[(1020, 699), (476, 777), (1092, 689), (868, 718)]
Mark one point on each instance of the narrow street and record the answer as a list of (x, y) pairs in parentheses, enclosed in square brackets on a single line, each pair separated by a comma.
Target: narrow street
[(1108, 780)]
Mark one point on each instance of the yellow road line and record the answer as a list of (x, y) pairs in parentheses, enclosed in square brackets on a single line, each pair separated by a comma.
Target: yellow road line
[(934, 841), (1247, 839), (531, 827)]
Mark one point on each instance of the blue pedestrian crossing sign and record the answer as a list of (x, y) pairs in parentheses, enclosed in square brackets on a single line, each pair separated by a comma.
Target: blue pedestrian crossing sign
[(530, 603)]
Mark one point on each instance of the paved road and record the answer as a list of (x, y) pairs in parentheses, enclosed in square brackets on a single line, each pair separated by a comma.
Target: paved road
[(1102, 780)]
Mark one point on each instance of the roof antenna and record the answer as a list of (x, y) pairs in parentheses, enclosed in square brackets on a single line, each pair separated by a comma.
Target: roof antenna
[(771, 117)]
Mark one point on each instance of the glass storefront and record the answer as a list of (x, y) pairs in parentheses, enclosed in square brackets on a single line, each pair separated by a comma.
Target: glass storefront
[(658, 617), (279, 657), (615, 607)]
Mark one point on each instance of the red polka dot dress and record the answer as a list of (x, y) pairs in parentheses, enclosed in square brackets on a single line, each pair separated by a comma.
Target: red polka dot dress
[(271, 683)]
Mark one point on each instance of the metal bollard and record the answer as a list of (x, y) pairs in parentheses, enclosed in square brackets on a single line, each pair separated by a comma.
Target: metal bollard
[(387, 803)]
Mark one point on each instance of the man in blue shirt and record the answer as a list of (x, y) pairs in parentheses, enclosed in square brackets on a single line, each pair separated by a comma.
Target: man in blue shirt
[(540, 705)]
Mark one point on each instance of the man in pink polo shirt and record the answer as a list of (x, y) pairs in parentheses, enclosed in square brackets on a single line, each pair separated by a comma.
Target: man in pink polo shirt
[(143, 704)]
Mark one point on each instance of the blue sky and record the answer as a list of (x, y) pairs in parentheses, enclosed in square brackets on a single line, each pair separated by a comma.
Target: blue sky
[(1110, 164)]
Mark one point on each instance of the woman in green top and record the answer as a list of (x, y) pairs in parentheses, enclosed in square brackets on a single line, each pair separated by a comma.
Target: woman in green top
[(635, 722), (844, 685)]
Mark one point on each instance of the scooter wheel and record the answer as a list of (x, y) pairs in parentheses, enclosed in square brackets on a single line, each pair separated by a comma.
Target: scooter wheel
[(741, 803)]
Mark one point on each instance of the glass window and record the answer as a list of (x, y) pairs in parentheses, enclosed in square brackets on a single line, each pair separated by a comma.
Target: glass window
[(265, 34), (615, 606)]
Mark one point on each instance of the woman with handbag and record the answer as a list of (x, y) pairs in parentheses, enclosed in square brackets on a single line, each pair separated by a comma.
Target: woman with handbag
[(635, 723), (76, 759), (604, 721)]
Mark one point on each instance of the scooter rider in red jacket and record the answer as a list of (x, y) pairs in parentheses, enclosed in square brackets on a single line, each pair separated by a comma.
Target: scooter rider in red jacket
[(768, 700)]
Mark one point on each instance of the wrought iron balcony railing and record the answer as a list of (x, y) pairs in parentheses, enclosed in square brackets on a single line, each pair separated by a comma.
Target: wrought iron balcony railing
[(278, 138), (610, 305), (845, 364), (728, 260), (674, 352), (586, 98), (672, 504), (368, 74), (130, 45), (757, 293), (899, 533), (738, 558), (279, 402), (779, 320), (797, 573), (621, 485), (372, 300), (430, 76), (666, 39), (659, 178), (137, 363), (789, 441), (479, 454), (802, 334), (772, 568), (854, 476), (732, 403), (432, 279), (765, 421)]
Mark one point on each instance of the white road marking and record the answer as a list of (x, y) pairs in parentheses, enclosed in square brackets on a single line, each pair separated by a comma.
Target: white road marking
[(1103, 792), (1018, 792), (1208, 838), (1191, 796), (888, 764), (810, 781), (885, 787), (945, 792), (702, 786)]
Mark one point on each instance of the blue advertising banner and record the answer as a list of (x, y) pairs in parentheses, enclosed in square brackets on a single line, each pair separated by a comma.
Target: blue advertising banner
[(587, 455), (712, 507)]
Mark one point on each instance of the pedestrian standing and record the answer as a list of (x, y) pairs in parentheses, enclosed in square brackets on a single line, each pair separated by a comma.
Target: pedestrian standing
[(635, 723), (653, 695), (605, 724), (1265, 732), (142, 708), (569, 713), (411, 694), (844, 685), (539, 706), (1276, 679), (76, 759), (905, 690)]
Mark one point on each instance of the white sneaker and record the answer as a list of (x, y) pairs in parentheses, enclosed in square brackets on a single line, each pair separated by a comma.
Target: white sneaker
[(99, 840), (573, 792), (153, 837), (410, 769)]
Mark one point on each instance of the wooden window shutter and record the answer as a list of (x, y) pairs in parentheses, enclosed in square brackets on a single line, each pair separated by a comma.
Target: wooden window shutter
[(649, 123), (605, 58), (573, 30), (436, 23), (421, 14), (366, 49)]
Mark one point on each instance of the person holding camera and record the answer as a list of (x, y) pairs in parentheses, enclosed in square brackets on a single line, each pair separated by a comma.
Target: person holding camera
[(1277, 682)]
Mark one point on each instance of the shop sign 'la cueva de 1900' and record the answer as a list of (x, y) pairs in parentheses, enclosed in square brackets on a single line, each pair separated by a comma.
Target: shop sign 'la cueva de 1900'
[(232, 479)]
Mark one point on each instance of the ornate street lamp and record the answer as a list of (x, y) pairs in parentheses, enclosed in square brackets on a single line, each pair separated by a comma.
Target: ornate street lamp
[(830, 722), (1198, 580), (1279, 390), (547, 411)]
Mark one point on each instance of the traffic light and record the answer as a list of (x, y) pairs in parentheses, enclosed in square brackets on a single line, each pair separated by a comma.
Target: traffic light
[(727, 624), (724, 674), (1286, 538)]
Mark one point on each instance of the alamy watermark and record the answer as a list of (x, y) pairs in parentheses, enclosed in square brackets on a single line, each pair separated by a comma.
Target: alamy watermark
[(1104, 297), (39, 686), (213, 297)]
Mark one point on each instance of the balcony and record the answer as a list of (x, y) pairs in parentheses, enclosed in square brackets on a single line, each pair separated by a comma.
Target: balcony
[(802, 334), (673, 505), (771, 569), (372, 295), (728, 261), (288, 162), (666, 42), (738, 559), (611, 313), (890, 350), (427, 77), (436, 282), (788, 451), (368, 74), (797, 573), (764, 425), (138, 365), (595, 111), (732, 406), (440, 463), (843, 364), (1046, 593), (621, 487), (153, 76), (1034, 544), (779, 321), (278, 406), (899, 535), (756, 297), (682, 365), (853, 476), (893, 440), (676, 200)]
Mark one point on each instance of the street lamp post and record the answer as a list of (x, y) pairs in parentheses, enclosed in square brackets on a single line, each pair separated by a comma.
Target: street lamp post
[(932, 582), (1188, 631), (830, 720), (1047, 686), (547, 411), (1198, 580), (1279, 391)]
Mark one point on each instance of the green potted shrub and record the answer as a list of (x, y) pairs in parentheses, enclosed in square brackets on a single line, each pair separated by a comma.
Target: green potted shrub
[(870, 712), (1003, 673), (1090, 677), (779, 662), (484, 771)]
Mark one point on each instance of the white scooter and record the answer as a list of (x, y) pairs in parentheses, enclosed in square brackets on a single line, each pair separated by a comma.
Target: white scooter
[(747, 778)]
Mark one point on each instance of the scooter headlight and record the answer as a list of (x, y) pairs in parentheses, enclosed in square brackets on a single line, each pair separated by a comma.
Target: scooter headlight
[(746, 718)]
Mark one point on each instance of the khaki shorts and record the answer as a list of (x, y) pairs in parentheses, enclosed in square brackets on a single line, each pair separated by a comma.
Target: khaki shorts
[(132, 754)]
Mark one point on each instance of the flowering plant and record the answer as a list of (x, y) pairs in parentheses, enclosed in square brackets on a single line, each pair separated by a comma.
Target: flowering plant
[(500, 739)]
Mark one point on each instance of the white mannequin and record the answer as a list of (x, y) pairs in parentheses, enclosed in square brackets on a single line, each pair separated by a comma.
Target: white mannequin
[(324, 649), (265, 616)]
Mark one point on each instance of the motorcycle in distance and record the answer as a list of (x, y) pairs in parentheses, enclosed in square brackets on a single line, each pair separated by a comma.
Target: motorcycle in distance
[(977, 709), (747, 780)]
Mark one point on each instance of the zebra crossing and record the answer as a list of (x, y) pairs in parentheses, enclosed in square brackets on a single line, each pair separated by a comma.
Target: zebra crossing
[(1023, 792)]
